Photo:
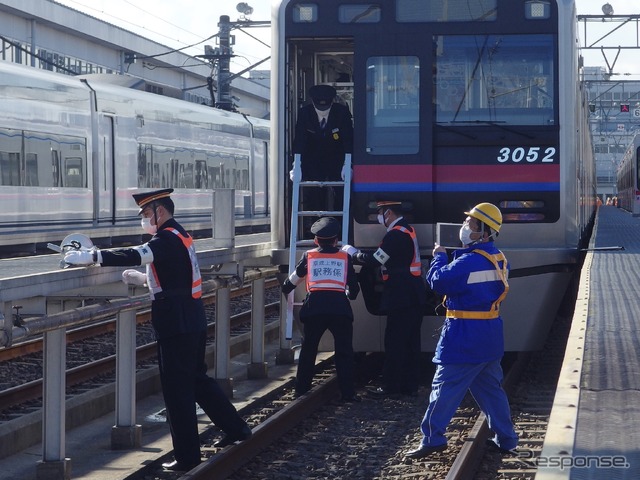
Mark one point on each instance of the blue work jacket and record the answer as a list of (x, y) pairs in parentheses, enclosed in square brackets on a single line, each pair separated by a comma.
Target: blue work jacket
[(471, 283)]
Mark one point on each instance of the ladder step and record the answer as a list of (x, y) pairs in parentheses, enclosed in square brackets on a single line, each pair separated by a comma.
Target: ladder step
[(305, 243), (315, 183), (320, 213)]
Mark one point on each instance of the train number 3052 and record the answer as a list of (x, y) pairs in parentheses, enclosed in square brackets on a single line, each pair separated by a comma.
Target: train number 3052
[(529, 154)]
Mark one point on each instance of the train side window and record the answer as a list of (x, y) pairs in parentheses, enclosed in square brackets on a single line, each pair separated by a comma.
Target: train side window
[(55, 169), (73, 172), (31, 170), (10, 168), (393, 96), (201, 179)]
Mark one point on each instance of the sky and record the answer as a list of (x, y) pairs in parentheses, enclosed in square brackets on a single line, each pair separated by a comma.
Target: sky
[(179, 23)]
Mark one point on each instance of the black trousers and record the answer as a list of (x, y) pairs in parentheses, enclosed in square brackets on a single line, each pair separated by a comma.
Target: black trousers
[(401, 369), (183, 375), (341, 327)]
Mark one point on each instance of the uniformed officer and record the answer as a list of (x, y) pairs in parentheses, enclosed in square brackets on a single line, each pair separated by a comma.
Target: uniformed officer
[(331, 282), (178, 318), (403, 298), (323, 135), (471, 342)]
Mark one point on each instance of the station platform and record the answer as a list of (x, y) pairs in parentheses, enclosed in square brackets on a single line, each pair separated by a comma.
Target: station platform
[(594, 427), (89, 447)]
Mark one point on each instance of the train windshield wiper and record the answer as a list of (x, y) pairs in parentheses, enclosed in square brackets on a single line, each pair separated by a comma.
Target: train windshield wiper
[(453, 129), (496, 124)]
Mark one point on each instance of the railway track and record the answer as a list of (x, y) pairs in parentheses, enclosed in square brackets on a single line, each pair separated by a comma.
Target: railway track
[(29, 353), (316, 437)]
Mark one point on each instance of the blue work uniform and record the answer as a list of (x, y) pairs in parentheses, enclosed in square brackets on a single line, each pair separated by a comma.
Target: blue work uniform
[(471, 343)]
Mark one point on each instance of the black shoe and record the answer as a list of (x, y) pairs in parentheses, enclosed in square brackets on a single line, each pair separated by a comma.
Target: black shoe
[(494, 446), (351, 399), (425, 451), (178, 467), (231, 439)]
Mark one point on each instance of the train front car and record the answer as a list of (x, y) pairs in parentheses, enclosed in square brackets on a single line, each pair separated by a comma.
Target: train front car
[(454, 103)]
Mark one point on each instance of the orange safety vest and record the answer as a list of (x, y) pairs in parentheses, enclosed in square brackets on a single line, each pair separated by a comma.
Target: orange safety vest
[(326, 271), (196, 278), (416, 266)]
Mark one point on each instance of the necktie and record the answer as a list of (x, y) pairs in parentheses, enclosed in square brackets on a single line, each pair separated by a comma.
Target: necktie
[(323, 122)]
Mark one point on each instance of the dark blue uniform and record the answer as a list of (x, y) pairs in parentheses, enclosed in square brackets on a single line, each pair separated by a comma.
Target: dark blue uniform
[(180, 326), (326, 306), (403, 300), (322, 147)]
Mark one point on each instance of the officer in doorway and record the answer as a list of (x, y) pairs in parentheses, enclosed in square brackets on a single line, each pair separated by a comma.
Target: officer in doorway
[(178, 318), (323, 135), (403, 299), (471, 342), (331, 282)]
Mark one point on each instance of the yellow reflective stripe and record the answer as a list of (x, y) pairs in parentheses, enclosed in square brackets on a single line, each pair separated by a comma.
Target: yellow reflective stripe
[(469, 315)]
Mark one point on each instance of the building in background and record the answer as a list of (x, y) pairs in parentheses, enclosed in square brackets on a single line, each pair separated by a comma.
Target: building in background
[(614, 119), (44, 34)]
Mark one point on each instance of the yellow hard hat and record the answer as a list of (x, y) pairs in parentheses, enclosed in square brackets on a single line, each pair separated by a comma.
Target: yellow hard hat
[(487, 213)]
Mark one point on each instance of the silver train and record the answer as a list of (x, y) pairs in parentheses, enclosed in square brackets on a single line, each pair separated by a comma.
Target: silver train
[(454, 103), (72, 151), (628, 181)]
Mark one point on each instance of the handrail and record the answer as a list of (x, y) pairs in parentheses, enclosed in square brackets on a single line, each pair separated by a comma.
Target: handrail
[(80, 315)]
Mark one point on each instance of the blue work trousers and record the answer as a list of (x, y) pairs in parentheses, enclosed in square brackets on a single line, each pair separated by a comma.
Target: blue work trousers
[(449, 386)]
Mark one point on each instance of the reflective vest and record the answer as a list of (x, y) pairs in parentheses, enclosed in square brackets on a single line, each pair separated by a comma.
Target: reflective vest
[(416, 267), (494, 311), (326, 271), (196, 280)]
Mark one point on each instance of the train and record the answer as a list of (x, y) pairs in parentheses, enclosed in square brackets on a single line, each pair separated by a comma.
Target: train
[(627, 180), (74, 149), (454, 103)]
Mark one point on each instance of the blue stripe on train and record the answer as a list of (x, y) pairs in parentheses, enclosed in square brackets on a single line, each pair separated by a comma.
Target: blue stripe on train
[(456, 187)]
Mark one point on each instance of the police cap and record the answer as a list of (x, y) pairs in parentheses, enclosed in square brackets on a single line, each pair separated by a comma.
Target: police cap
[(326, 228), (144, 199), (322, 96), (388, 203)]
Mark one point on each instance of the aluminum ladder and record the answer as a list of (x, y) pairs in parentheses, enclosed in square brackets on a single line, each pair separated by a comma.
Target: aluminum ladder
[(297, 215)]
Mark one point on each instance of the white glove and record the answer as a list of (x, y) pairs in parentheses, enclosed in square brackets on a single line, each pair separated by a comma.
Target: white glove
[(351, 251), (291, 174), (79, 257), (134, 277), (343, 172)]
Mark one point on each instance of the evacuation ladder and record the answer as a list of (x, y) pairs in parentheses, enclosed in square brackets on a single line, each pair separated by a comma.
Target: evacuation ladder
[(297, 215)]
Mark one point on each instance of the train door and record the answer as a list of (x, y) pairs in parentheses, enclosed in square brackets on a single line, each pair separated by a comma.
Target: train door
[(104, 184), (315, 62)]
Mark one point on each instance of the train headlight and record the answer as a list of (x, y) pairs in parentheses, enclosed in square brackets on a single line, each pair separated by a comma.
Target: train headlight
[(537, 10)]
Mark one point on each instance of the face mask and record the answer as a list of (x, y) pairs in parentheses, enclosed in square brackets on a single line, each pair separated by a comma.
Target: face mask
[(147, 227), (381, 219), (465, 235)]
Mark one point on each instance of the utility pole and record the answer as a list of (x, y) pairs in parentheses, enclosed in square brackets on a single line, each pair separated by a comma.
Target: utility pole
[(221, 55), (224, 61)]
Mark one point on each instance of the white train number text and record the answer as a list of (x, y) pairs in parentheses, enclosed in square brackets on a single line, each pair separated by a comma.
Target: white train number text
[(527, 154)]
